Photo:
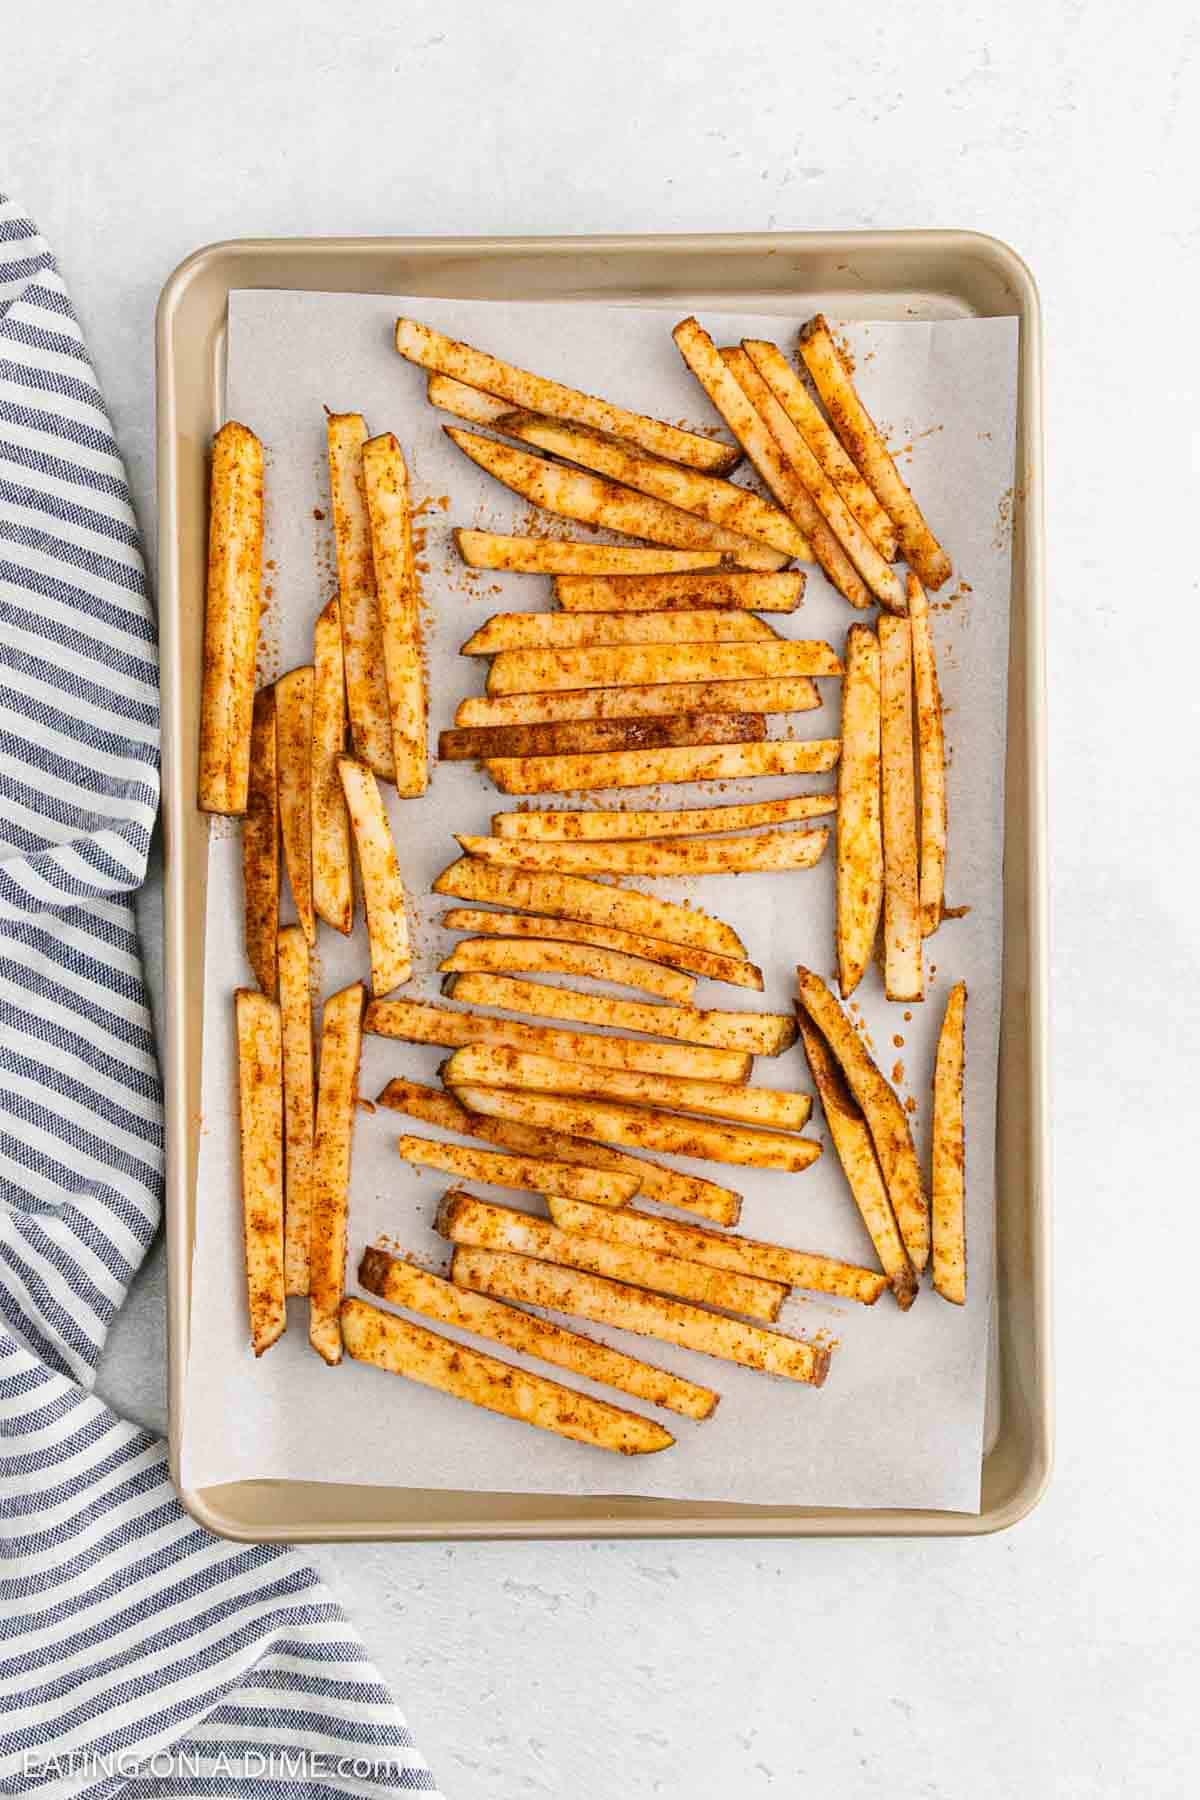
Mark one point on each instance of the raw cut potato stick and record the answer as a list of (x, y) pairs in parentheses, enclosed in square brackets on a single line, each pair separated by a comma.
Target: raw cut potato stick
[(389, 511), (766, 851), (903, 972), (570, 556), (402, 1348), (547, 957), (383, 888), (403, 1284), (859, 829), (231, 615), (362, 633), (613, 665), (691, 821), (590, 499), (533, 1283), (468, 403), (650, 593), (861, 437), (599, 737), (293, 726), (649, 768), (528, 1174), (260, 1082), (948, 1158), (432, 350), (464, 1220), (931, 759), (295, 1007), (582, 631), (332, 875), (675, 956), (260, 845), (885, 1117), (772, 1262), (795, 693), (337, 1099)]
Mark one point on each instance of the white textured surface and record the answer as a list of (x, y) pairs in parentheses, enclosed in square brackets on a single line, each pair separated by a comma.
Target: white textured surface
[(1055, 1661)]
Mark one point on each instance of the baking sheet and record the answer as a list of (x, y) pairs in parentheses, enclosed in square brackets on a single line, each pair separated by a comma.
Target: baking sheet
[(899, 1422)]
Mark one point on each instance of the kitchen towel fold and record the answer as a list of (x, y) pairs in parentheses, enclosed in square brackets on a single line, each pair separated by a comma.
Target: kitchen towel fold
[(139, 1655)]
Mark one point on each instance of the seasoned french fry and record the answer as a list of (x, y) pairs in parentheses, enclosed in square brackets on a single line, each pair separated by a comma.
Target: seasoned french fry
[(403, 1348), (260, 845), (428, 1104), (293, 726), (931, 759), (574, 494), (432, 350), (859, 834), (675, 956), (766, 851), (688, 821), (903, 973), (599, 737), (468, 403), (885, 1117), (583, 631), (389, 510), (528, 1174), (383, 888), (337, 1097), (295, 1008), (465, 1220), (948, 1158), (260, 1082), (570, 556), (548, 956), (861, 437), (231, 614), (613, 665), (650, 768), (507, 1276), (362, 633), (401, 1282), (649, 593), (332, 876), (717, 1250), (795, 693)]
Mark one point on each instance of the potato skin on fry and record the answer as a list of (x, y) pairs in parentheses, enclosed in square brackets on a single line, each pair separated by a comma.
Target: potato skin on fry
[(260, 1083), (589, 737), (260, 845), (231, 619)]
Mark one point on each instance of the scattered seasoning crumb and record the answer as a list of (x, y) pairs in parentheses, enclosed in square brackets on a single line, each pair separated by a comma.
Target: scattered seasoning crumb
[(955, 912), (898, 1041), (910, 1105), (908, 1015), (317, 513), (368, 1106), (897, 1073)]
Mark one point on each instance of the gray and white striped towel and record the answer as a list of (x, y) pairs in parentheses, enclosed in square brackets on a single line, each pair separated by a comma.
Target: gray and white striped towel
[(138, 1654)]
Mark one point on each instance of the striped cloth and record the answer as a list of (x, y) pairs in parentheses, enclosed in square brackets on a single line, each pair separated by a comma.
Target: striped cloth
[(138, 1654)]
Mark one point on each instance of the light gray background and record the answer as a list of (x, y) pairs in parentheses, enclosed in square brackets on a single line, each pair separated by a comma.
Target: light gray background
[(1056, 1660)]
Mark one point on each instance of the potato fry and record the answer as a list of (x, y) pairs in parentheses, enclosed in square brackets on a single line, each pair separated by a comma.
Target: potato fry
[(674, 956), (570, 556), (948, 1154), (389, 511), (652, 768), (861, 437), (362, 631), (260, 845), (584, 631), (590, 499), (650, 593), (337, 1099), (504, 1275), (614, 665), (859, 833), (468, 403), (231, 615), (931, 759), (383, 888), (547, 956), (689, 821), (293, 726), (766, 852), (795, 693), (332, 876), (295, 1009), (599, 737), (717, 1250), (432, 350), (260, 1082), (430, 1105), (903, 973), (477, 1223), (403, 1348), (528, 1174), (403, 1284), (886, 1118)]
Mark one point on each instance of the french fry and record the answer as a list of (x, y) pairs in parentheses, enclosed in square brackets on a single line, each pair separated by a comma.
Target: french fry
[(528, 1174), (477, 1223), (795, 693), (931, 759), (855, 1151), (389, 511), (260, 845), (650, 593), (293, 726), (948, 1157), (590, 499), (260, 1083), (547, 956), (613, 665), (570, 556), (508, 1067), (861, 437), (885, 1117), (332, 876), (650, 768), (569, 897), (689, 821), (383, 888), (675, 956), (403, 1284), (859, 833), (362, 632), (583, 631), (295, 1008), (402, 1348), (432, 350), (468, 403), (337, 1098), (430, 1105), (599, 737), (766, 851), (717, 1250), (903, 973), (507, 1276), (231, 615)]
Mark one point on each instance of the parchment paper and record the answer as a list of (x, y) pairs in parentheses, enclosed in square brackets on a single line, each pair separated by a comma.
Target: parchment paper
[(899, 1421)]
